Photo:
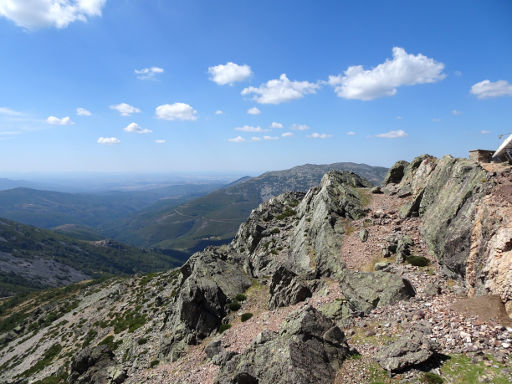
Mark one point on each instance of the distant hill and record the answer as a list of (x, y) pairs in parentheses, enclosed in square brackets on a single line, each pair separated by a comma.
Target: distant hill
[(214, 218), (48, 209), (33, 258)]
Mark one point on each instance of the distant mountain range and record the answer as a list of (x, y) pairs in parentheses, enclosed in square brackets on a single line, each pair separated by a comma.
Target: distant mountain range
[(48, 209), (215, 218), (34, 258)]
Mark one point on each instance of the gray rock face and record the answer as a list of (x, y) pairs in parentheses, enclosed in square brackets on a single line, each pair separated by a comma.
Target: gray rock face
[(412, 349), (367, 290), (396, 173), (210, 279), (308, 349), (90, 366), (286, 288)]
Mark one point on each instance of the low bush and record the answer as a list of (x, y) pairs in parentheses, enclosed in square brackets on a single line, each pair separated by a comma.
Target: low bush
[(245, 317)]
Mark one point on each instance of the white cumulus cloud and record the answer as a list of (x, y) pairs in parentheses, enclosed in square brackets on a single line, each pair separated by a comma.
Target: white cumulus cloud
[(276, 125), (33, 14), (176, 111), (253, 111), (487, 89), (248, 128), (238, 139), (383, 80), (125, 109), (300, 127), (278, 91), (56, 121), (134, 127), (287, 134), (270, 138), (83, 112), (108, 140), (393, 134), (160, 141), (317, 135), (218, 112), (229, 73), (148, 73)]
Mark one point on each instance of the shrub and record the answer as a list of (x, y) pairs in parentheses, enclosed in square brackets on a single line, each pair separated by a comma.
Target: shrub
[(241, 297), (245, 317), (142, 340), (154, 363), (234, 306), (109, 341), (275, 231), (418, 261), (286, 213), (224, 327)]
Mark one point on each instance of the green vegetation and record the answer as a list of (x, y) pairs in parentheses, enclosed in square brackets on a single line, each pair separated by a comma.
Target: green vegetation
[(460, 369), (109, 341), (130, 320), (418, 261), (275, 231), (142, 341), (240, 297), (245, 317), (234, 306), (154, 363), (89, 337), (46, 360), (224, 327), (288, 212), (431, 378), (53, 379)]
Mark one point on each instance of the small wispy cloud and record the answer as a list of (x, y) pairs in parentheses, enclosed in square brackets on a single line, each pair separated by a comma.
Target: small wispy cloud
[(350, 133), (485, 132), (248, 128), (393, 134), (9, 112), (276, 125), (280, 90), (125, 109), (287, 134), (108, 140), (136, 128), (62, 121), (255, 138), (160, 141), (299, 127), (218, 112), (487, 89), (83, 112), (148, 73), (253, 111), (456, 112), (238, 139), (270, 138), (317, 135)]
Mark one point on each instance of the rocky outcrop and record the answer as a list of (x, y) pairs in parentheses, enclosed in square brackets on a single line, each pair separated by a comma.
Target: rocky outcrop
[(411, 350), (396, 173), (286, 288), (203, 296), (95, 366), (308, 349), (368, 290)]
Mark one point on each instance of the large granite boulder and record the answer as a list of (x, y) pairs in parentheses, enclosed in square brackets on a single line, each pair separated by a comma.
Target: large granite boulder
[(286, 288)]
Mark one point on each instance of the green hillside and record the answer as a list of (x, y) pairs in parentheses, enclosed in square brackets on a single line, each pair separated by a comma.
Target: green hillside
[(33, 258)]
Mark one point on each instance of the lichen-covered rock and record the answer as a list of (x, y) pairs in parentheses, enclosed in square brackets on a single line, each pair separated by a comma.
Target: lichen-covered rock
[(90, 366), (412, 349), (368, 290), (396, 173), (309, 349), (286, 288)]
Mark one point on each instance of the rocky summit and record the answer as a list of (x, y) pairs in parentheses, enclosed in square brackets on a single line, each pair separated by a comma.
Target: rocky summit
[(410, 282)]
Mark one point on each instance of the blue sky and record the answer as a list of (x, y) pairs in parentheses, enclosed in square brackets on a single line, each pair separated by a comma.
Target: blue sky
[(366, 81)]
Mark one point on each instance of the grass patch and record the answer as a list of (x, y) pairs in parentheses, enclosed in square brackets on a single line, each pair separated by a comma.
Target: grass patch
[(130, 320), (365, 197), (460, 369), (245, 317), (431, 378), (288, 212), (89, 337)]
